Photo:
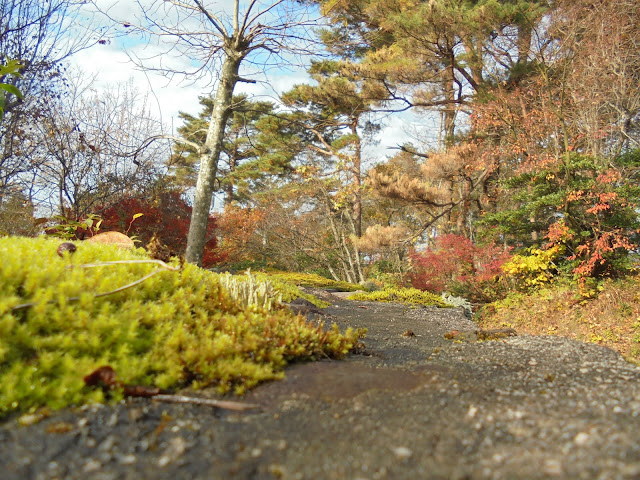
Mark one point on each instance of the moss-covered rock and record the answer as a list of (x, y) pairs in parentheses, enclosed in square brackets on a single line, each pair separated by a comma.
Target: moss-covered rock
[(411, 296), (176, 328)]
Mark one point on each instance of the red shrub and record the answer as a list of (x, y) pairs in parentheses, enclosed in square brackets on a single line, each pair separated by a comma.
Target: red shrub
[(167, 217), (455, 264)]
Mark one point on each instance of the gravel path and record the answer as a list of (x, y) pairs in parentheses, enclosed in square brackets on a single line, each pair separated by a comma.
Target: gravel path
[(414, 406)]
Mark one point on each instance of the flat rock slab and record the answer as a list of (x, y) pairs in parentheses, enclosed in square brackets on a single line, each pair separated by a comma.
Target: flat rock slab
[(410, 407)]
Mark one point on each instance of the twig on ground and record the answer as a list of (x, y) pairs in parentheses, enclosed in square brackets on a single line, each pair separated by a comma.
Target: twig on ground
[(105, 378), (226, 404)]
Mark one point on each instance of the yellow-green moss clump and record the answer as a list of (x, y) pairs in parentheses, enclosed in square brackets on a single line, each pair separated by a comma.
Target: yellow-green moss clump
[(411, 296), (264, 290), (288, 291), (313, 280), (174, 329)]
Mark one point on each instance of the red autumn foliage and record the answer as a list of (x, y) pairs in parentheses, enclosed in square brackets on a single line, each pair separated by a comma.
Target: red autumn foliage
[(455, 264), (166, 217)]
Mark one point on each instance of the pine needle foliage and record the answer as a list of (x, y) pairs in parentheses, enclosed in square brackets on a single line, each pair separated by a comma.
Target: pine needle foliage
[(175, 329)]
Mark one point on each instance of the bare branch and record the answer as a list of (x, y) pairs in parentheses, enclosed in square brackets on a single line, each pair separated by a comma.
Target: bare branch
[(208, 402), (217, 24)]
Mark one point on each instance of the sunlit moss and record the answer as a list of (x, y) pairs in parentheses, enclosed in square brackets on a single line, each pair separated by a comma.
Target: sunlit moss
[(411, 296), (313, 280), (174, 329), (264, 290)]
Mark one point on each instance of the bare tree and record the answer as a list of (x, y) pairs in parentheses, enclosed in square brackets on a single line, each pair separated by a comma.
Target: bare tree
[(256, 34), (41, 35), (85, 143)]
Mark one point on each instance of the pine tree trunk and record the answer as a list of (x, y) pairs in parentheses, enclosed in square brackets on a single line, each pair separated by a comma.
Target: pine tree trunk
[(197, 237)]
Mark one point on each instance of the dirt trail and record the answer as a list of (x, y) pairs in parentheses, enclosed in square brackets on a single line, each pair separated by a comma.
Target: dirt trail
[(414, 406)]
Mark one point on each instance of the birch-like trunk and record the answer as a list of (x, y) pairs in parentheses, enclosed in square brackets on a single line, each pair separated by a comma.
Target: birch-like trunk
[(209, 157)]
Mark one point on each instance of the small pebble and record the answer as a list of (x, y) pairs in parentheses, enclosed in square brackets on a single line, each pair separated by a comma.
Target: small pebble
[(552, 467), (581, 439), (107, 444), (113, 420), (177, 446), (256, 452), (402, 453), (127, 459), (91, 466)]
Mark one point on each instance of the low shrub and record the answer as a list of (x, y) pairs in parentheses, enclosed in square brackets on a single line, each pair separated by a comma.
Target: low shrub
[(458, 302), (173, 329), (248, 290), (535, 269), (401, 295), (455, 264), (288, 292)]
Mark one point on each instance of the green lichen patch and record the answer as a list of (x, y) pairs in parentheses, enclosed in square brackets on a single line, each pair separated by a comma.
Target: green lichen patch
[(174, 329), (411, 296)]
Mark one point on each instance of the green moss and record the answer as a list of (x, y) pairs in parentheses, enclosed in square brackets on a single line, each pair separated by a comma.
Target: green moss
[(289, 291), (174, 329), (313, 280), (401, 295), (249, 290)]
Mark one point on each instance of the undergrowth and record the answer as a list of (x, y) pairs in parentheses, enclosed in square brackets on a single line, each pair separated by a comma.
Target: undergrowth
[(264, 290), (174, 329), (248, 290), (610, 319)]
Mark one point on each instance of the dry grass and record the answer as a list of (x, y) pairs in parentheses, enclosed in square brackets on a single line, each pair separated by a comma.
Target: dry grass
[(612, 319)]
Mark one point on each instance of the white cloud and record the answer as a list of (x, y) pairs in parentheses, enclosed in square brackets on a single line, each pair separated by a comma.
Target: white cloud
[(113, 66)]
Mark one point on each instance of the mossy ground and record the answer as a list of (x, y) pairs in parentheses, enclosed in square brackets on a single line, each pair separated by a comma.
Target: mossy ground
[(410, 296), (174, 329), (288, 289), (313, 280), (611, 319)]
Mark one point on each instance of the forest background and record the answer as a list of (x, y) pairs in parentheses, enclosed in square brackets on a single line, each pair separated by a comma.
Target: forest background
[(527, 198)]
